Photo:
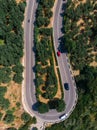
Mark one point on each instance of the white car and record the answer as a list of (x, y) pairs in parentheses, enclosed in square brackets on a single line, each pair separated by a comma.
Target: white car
[(63, 116)]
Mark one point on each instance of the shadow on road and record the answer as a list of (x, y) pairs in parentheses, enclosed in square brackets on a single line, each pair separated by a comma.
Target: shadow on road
[(61, 40), (35, 106)]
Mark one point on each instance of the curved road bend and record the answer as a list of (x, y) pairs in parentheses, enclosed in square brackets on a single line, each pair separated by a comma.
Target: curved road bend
[(28, 35), (30, 98), (70, 96)]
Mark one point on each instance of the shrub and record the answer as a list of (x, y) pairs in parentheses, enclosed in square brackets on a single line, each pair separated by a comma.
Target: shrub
[(34, 121), (9, 118), (25, 117), (43, 108)]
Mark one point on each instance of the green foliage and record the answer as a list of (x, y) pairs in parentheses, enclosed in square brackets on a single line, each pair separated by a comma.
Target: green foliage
[(5, 75), (34, 121), (43, 108), (1, 114), (9, 112), (76, 40), (11, 33), (25, 117), (4, 103), (18, 104), (44, 53), (1, 42), (24, 127), (9, 118), (45, 31), (18, 68), (22, 6), (60, 106), (2, 90), (18, 78), (85, 114), (57, 104)]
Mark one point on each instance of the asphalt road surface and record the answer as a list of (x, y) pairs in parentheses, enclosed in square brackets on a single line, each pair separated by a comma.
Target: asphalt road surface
[(29, 75), (70, 96)]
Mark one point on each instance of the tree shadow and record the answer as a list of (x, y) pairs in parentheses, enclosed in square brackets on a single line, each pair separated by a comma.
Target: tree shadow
[(35, 106), (61, 46), (61, 40)]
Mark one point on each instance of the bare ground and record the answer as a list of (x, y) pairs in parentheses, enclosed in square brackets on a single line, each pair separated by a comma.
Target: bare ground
[(13, 94)]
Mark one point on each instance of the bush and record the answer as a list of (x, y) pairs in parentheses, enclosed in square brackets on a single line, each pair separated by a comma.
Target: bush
[(9, 118), (45, 31), (2, 91), (34, 121), (18, 68), (4, 103), (43, 108), (1, 115), (25, 117), (61, 106), (18, 78)]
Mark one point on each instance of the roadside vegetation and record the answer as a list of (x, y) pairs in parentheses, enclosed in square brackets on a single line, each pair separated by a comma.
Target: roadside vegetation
[(46, 80), (12, 115), (80, 40)]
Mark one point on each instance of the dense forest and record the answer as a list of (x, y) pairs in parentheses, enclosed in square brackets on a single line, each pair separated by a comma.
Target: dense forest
[(11, 45), (80, 40), (11, 40)]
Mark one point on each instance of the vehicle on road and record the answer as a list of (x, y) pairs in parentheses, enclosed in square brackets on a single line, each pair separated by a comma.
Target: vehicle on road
[(58, 53), (63, 116), (66, 86), (28, 20)]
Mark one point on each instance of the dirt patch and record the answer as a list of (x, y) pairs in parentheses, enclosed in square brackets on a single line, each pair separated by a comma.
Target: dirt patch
[(77, 2), (75, 72), (18, 1), (43, 99), (52, 18), (94, 64), (13, 94)]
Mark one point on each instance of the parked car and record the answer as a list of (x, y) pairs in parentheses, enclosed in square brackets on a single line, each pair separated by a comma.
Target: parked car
[(66, 86)]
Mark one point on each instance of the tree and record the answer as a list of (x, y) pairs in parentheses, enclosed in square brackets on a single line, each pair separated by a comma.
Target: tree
[(18, 78), (1, 114), (34, 120), (60, 106), (43, 108), (22, 6), (3, 90), (39, 81), (24, 127), (9, 118), (4, 103), (25, 117), (40, 21), (45, 31), (18, 68)]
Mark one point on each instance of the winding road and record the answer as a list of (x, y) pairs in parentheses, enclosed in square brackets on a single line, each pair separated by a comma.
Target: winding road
[(28, 91)]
